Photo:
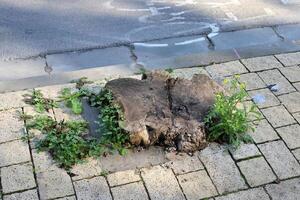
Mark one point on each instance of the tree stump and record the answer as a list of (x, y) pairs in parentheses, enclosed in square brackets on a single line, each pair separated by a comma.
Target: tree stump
[(164, 110)]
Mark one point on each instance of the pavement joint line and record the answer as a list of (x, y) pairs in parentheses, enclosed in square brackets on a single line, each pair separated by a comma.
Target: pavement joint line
[(18, 191), (109, 187), (240, 171), (115, 186), (209, 175), (144, 184), (181, 189), (31, 157)]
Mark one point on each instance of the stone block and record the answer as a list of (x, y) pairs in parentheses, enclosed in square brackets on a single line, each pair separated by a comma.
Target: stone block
[(278, 116), (261, 63), (263, 132), (222, 169), (130, 191), (17, 178), (287, 190), (197, 185), (256, 171), (161, 184), (93, 189), (274, 77), (281, 159), (291, 135)]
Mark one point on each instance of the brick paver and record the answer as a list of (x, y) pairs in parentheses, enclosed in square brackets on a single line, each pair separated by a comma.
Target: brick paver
[(272, 77), (222, 169), (123, 177), (226, 69), (256, 171), (291, 101), (261, 63), (281, 159), (291, 135), (263, 132), (197, 185), (17, 178), (252, 194), (287, 190), (289, 59), (211, 173), (278, 116), (130, 191), (93, 189), (161, 184)]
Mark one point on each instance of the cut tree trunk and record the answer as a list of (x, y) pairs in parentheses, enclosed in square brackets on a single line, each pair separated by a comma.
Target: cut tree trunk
[(164, 110)]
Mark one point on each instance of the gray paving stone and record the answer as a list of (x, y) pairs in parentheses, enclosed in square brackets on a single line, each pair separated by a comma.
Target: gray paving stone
[(291, 101), (161, 183), (83, 60), (252, 194), (188, 73), (43, 161), (226, 69), (245, 38), (291, 73), (64, 113), (182, 163), (256, 171), (291, 135), (251, 116), (197, 185), (53, 91), (263, 132), (297, 86), (261, 63), (55, 183), (12, 127), (278, 116), (17, 177), (296, 153), (252, 81), (27, 195), (12, 100), (281, 159), (92, 189), (245, 151), (271, 77), (130, 192), (287, 190), (222, 169), (13, 153), (18, 69), (269, 98), (89, 168), (123, 177), (297, 117), (289, 59)]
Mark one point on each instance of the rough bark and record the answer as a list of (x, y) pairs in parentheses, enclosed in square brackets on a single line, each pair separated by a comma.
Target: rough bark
[(164, 110)]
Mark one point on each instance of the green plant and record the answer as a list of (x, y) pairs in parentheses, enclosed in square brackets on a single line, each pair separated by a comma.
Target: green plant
[(111, 121), (227, 121), (73, 99), (40, 103), (169, 70), (81, 82), (65, 140)]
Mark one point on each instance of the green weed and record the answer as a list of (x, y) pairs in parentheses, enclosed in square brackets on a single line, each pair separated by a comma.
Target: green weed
[(40, 103), (111, 121), (228, 122)]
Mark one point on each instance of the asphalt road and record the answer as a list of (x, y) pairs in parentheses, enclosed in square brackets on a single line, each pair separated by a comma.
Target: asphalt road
[(32, 27)]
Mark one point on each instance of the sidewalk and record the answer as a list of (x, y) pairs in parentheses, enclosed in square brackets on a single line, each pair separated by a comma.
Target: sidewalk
[(268, 169)]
